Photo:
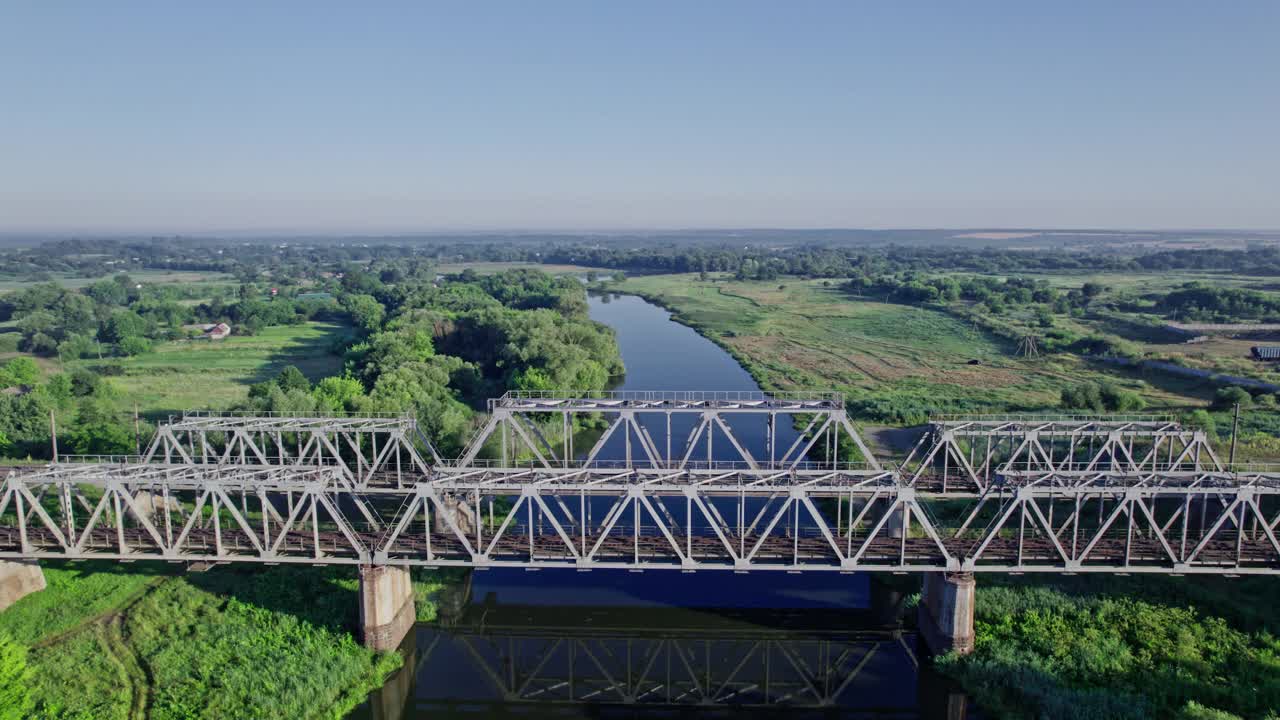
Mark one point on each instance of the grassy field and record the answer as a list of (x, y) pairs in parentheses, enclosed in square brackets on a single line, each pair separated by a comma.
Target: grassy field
[(196, 374), (110, 641), (806, 334), (489, 268), (227, 643), (146, 277)]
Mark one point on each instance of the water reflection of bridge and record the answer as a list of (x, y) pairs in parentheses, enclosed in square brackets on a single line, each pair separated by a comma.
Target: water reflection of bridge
[(494, 661)]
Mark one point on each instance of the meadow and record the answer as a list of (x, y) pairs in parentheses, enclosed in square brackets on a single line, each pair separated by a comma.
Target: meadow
[(145, 277), (489, 268), (200, 374), (895, 363)]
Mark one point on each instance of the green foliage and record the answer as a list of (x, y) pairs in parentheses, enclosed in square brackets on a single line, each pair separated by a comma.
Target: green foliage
[(366, 312), (124, 324), (134, 345), (98, 431), (1228, 397), (1047, 654), (1211, 303), (15, 680), (291, 378), (1100, 397), (338, 394), (19, 371), (76, 347)]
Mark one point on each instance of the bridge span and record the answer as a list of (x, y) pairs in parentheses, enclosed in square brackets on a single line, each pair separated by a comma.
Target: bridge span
[(1138, 494)]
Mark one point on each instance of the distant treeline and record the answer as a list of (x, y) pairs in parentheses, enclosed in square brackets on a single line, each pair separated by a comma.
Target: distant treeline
[(804, 255)]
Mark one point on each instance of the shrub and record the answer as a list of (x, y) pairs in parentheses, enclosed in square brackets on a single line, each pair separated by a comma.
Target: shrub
[(19, 371), (134, 345), (1227, 397)]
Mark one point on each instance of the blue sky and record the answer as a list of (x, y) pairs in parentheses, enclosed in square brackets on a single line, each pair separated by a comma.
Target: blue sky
[(416, 116)]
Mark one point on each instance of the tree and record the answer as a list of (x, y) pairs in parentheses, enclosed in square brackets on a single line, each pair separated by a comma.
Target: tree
[(134, 345), (15, 681), (1227, 397), (19, 371), (337, 394), (1082, 397), (123, 324), (76, 347), (291, 378), (1092, 290), (366, 312)]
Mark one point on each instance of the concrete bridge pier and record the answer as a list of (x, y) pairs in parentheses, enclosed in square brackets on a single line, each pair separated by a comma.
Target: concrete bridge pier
[(946, 612), (18, 579), (463, 516), (387, 612)]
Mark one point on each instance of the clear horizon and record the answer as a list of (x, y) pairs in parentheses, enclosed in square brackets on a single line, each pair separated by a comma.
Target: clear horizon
[(316, 118)]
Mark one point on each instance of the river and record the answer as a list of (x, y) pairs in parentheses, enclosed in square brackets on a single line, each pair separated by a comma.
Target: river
[(570, 644)]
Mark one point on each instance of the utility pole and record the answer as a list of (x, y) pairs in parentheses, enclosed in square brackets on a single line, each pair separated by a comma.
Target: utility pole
[(137, 432), (1235, 425), (53, 435)]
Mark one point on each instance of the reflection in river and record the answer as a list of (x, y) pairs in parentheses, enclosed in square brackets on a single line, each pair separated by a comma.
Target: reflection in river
[(667, 643), (489, 659)]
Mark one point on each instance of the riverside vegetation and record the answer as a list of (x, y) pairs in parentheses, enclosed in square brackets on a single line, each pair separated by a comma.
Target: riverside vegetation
[(903, 330), (130, 641)]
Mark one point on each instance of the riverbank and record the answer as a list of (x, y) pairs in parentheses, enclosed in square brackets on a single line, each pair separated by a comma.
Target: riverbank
[(108, 641)]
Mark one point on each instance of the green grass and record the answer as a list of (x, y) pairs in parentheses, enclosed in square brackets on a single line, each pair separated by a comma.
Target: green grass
[(197, 374), (232, 642), (75, 595)]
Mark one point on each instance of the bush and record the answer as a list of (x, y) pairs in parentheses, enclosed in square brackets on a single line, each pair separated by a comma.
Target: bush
[(1101, 397), (19, 371), (1117, 399), (134, 345), (1227, 397)]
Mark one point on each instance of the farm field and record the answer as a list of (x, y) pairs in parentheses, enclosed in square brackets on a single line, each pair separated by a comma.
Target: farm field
[(153, 277), (196, 374), (794, 334), (489, 268)]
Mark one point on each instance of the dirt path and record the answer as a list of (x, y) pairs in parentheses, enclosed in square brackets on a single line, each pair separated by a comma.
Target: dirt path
[(110, 630)]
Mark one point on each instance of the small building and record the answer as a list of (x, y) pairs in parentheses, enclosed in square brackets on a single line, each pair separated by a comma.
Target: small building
[(218, 332), (1265, 352)]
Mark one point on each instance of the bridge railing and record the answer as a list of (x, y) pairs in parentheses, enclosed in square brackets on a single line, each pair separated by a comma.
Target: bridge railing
[(293, 415), (990, 418), (763, 466), (834, 398)]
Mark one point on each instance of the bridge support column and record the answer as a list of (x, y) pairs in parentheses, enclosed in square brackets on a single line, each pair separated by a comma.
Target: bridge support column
[(386, 606), (18, 579), (946, 612)]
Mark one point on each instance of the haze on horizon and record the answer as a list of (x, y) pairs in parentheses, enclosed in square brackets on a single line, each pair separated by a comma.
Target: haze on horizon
[(409, 117)]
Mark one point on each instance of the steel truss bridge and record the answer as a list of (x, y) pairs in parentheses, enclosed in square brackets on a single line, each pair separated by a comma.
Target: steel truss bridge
[(1032, 494)]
